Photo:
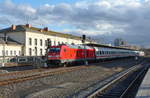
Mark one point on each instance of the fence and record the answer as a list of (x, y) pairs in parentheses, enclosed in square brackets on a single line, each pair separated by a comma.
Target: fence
[(36, 61)]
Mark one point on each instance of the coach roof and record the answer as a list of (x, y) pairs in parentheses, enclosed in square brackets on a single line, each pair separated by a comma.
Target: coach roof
[(106, 46)]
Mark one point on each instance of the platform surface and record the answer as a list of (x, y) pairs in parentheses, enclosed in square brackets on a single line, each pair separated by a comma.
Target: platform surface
[(144, 89)]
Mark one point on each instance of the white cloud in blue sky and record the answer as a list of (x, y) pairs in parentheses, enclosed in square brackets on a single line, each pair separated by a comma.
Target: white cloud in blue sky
[(128, 19)]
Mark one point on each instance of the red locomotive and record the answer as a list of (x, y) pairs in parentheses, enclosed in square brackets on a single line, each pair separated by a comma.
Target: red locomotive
[(65, 54)]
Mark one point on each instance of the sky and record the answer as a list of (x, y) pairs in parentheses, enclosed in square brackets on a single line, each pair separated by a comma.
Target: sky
[(103, 20)]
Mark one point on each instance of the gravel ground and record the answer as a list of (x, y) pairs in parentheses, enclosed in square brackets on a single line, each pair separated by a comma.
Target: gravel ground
[(65, 84)]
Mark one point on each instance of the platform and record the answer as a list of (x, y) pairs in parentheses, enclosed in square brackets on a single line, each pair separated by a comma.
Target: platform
[(144, 89)]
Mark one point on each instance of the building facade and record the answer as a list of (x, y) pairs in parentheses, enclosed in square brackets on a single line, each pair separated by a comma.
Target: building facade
[(119, 42), (34, 41), (9, 49)]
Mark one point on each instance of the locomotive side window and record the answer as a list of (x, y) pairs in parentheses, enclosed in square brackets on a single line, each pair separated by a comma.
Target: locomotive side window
[(64, 49)]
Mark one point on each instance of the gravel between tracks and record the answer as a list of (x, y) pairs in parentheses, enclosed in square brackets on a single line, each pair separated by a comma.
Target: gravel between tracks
[(64, 84)]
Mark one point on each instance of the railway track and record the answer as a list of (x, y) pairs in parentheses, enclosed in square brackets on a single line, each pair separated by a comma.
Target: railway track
[(122, 85), (20, 76)]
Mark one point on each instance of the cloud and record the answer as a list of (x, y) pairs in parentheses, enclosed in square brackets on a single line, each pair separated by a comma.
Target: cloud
[(128, 19)]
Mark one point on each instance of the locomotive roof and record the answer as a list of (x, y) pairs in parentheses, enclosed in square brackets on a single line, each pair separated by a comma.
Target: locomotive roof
[(106, 46), (78, 46)]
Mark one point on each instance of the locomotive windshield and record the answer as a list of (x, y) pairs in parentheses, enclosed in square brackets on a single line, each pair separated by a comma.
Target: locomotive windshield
[(54, 50)]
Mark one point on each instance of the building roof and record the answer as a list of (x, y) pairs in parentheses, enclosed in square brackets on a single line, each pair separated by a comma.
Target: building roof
[(9, 41), (24, 28)]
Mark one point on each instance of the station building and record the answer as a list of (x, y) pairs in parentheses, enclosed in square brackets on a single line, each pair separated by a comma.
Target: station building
[(25, 40)]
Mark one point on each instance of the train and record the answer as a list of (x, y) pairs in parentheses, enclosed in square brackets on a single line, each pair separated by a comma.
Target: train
[(65, 54)]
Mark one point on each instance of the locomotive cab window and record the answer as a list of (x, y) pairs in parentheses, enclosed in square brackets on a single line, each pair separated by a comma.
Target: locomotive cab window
[(54, 50)]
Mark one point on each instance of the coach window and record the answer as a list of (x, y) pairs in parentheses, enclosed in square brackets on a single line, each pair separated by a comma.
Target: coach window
[(100, 52), (97, 52), (30, 41), (41, 42), (35, 41)]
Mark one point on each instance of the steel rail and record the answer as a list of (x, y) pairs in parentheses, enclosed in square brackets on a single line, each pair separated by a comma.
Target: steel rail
[(98, 91), (139, 75), (39, 75)]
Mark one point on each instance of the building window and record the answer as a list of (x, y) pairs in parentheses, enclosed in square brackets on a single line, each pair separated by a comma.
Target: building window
[(30, 41), (54, 43), (46, 43), (40, 51), (14, 52), (30, 51), (41, 43), (19, 52), (36, 51), (11, 53), (35, 41), (3, 52), (6, 52)]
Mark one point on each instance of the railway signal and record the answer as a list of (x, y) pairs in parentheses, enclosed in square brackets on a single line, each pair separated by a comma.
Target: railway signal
[(83, 38), (83, 41)]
